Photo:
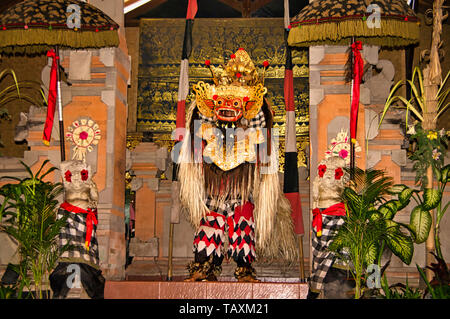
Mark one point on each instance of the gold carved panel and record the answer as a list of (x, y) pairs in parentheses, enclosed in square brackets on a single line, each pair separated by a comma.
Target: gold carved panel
[(161, 42)]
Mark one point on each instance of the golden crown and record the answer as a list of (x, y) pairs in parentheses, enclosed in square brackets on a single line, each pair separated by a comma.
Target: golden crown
[(238, 91)]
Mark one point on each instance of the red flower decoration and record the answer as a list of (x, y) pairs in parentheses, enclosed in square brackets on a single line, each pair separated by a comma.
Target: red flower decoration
[(207, 62), (84, 175), (245, 99), (238, 75), (215, 96), (68, 176), (322, 170), (338, 173), (343, 153), (241, 48), (266, 63), (233, 56), (84, 135)]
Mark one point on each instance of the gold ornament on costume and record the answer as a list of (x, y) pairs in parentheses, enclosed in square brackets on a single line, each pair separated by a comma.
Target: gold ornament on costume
[(83, 135), (227, 158), (237, 90)]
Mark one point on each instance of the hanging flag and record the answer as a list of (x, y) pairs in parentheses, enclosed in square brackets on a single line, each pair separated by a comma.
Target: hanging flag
[(52, 94), (358, 68), (183, 84), (291, 183)]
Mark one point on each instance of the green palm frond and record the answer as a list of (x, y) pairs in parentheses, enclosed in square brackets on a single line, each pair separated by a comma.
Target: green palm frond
[(368, 189), (34, 224), (368, 226), (418, 102)]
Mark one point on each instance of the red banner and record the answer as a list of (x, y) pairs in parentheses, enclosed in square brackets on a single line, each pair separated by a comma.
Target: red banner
[(358, 68), (52, 95)]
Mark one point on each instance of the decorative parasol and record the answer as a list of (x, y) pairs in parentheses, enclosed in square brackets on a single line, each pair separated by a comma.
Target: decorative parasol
[(36, 26), (389, 23), (39, 26)]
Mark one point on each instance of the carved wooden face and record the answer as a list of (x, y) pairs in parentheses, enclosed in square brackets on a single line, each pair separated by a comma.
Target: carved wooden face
[(229, 108), (229, 103)]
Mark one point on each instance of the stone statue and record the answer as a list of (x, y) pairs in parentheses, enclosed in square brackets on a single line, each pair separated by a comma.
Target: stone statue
[(26, 123), (79, 188), (328, 216), (380, 84), (80, 210)]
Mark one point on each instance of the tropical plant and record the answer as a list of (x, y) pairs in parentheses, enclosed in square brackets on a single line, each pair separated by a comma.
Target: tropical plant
[(427, 103), (13, 92), (7, 292), (429, 148), (400, 291), (443, 176), (418, 104), (30, 207), (439, 286), (428, 100), (369, 226)]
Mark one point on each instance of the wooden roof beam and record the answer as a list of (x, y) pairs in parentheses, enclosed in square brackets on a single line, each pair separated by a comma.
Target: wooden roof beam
[(246, 7)]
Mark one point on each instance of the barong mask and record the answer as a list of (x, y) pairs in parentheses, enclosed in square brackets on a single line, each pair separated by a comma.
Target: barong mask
[(238, 91)]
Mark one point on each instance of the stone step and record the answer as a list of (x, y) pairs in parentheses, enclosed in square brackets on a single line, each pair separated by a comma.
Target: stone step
[(390, 125), (385, 142), (204, 290), (158, 269)]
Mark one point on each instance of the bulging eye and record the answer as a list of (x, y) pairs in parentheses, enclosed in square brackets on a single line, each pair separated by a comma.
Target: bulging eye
[(220, 101), (237, 103)]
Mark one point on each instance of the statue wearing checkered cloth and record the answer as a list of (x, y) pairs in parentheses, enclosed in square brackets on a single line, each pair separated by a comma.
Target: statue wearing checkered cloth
[(328, 216), (79, 210), (228, 175)]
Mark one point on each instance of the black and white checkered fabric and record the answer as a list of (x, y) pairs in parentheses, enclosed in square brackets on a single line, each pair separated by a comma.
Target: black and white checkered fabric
[(74, 233), (259, 121), (225, 207), (323, 259), (210, 236)]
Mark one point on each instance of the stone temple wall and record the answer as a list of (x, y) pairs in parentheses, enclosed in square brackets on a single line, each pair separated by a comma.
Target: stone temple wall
[(96, 89)]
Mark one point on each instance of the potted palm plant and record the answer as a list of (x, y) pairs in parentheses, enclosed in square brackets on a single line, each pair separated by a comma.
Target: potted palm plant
[(28, 215), (369, 227)]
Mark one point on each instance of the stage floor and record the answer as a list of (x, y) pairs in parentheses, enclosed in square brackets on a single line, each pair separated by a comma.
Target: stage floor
[(204, 290)]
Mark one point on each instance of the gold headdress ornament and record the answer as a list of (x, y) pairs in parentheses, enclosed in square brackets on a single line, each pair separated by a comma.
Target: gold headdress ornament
[(237, 90)]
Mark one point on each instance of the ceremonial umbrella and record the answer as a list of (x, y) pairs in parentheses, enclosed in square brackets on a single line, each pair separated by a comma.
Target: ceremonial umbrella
[(388, 23), (391, 23), (39, 26)]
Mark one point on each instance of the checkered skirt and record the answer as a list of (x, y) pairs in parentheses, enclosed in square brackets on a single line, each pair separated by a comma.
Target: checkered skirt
[(210, 236), (74, 233), (323, 258)]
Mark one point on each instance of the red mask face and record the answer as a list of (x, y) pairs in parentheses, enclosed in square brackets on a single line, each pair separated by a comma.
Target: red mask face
[(228, 109)]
